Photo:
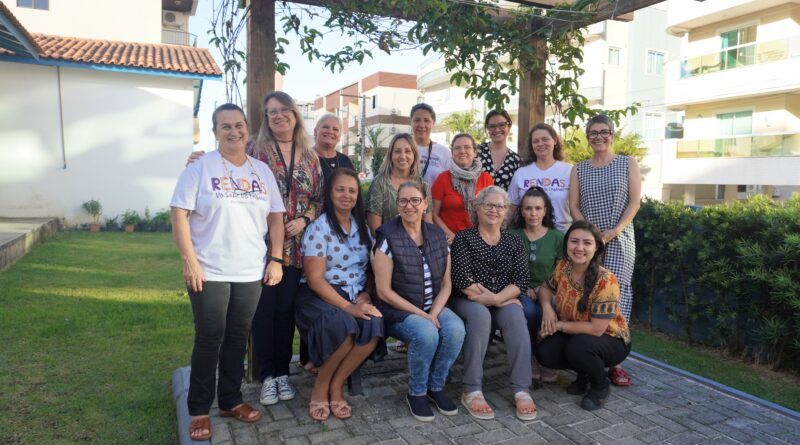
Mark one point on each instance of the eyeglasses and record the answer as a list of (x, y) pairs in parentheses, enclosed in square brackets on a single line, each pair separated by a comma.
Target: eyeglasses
[(493, 207), (283, 112), (602, 133), (415, 201), (500, 126)]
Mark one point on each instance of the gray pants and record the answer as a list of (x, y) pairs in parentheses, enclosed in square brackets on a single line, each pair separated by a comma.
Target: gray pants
[(479, 322)]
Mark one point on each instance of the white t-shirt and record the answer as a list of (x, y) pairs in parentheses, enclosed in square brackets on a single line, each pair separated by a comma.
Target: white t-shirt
[(554, 181), (440, 161), (228, 220)]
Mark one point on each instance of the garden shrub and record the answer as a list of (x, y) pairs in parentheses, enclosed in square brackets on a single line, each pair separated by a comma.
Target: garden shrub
[(727, 275)]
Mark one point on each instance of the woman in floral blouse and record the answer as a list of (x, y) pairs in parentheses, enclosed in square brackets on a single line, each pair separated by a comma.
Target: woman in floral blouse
[(282, 144), (586, 332)]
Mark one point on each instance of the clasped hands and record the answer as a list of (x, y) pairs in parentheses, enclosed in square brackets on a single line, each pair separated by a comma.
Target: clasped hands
[(479, 294), (549, 322), (363, 308)]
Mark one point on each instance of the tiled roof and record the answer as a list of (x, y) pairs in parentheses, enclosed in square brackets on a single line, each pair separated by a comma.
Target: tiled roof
[(176, 58), (5, 12)]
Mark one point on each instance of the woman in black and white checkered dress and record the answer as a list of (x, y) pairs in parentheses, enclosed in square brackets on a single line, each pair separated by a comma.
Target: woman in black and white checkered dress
[(606, 190)]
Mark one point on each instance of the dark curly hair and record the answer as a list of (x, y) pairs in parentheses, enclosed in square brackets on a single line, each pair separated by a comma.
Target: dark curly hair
[(549, 219), (595, 264)]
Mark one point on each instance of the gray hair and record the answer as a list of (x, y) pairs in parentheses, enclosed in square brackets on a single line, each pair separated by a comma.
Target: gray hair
[(599, 119), (481, 198), (326, 117)]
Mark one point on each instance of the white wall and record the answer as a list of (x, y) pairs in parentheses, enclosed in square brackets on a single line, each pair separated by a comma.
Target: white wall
[(127, 137), (129, 21)]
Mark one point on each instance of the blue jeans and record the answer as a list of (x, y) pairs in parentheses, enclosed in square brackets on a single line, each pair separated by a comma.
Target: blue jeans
[(431, 352), (533, 314)]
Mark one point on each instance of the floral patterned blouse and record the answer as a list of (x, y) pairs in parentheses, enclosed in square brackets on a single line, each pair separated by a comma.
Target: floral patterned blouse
[(502, 177), (304, 198), (603, 301)]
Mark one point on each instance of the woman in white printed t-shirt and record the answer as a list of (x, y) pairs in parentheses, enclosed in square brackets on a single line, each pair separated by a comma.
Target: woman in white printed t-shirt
[(544, 167), (223, 207), (433, 158)]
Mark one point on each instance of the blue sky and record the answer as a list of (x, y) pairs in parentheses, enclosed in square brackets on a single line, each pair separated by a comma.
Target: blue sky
[(305, 80)]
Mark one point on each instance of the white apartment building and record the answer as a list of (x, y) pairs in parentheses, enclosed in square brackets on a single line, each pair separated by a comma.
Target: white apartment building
[(97, 101), (736, 84), (624, 63)]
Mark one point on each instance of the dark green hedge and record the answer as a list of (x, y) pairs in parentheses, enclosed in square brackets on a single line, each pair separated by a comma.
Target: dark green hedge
[(726, 275)]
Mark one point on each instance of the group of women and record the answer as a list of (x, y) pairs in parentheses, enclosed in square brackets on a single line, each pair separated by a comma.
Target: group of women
[(425, 258)]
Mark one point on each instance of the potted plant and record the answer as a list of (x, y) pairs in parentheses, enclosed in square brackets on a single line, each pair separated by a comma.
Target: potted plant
[(93, 208), (112, 224), (161, 221), (130, 218)]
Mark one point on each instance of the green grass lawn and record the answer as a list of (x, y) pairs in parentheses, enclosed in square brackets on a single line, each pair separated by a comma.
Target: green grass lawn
[(93, 325), (758, 380)]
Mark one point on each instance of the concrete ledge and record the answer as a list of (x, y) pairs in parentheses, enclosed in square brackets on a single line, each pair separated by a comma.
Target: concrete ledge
[(19, 235), (180, 391), (718, 386)]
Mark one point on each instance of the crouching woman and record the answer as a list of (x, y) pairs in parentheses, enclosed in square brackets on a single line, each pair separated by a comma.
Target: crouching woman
[(412, 276), (586, 332)]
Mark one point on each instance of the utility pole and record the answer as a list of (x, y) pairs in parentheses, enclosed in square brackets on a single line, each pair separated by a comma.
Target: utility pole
[(362, 127)]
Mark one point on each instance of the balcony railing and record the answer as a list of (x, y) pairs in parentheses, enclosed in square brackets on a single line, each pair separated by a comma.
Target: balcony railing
[(741, 56), (172, 37), (752, 146)]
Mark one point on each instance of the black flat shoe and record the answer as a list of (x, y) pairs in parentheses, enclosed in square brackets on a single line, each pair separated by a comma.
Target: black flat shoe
[(443, 403), (590, 404), (579, 386)]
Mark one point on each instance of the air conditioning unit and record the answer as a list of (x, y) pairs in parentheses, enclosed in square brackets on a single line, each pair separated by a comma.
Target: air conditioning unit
[(673, 130), (174, 20), (393, 130), (394, 111)]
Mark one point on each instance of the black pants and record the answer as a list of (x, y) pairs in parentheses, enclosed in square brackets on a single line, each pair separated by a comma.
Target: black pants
[(273, 324), (222, 316), (588, 355)]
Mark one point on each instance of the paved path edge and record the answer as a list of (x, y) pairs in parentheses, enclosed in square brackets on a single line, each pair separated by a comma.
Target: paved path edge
[(717, 386), (180, 391)]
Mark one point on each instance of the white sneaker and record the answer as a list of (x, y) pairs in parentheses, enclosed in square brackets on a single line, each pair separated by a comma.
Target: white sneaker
[(285, 389), (269, 392)]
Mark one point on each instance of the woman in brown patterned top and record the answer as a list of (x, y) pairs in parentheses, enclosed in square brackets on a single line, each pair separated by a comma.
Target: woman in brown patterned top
[(283, 145), (586, 331)]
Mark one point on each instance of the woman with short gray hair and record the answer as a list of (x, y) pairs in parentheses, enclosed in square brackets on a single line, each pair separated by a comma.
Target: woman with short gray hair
[(490, 272)]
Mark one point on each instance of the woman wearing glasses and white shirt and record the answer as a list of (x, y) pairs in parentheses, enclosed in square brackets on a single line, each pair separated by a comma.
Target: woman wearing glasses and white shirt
[(497, 159), (606, 191)]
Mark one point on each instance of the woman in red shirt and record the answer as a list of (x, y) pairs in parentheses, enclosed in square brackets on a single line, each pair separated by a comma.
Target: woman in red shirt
[(454, 190)]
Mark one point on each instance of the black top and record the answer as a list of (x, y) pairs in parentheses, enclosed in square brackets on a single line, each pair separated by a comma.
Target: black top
[(338, 161), (502, 177), (494, 267)]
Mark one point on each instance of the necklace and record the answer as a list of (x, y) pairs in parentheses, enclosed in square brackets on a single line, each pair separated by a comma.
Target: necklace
[(290, 140), (230, 174)]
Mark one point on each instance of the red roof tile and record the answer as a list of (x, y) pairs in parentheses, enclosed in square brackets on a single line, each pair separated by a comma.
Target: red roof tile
[(176, 58)]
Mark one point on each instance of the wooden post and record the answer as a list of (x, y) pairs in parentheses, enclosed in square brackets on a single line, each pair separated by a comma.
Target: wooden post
[(260, 59), (260, 81), (531, 96)]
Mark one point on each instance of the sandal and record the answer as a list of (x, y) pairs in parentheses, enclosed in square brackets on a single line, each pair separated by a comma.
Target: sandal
[(243, 413), (341, 409), (401, 347), (473, 402), (314, 407), (200, 424), (523, 400), (619, 377)]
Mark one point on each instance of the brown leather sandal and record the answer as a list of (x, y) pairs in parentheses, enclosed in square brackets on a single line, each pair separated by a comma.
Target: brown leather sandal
[(199, 424), (242, 412)]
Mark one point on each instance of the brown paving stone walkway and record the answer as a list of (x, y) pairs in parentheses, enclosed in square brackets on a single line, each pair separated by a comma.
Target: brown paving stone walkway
[(661, 407)]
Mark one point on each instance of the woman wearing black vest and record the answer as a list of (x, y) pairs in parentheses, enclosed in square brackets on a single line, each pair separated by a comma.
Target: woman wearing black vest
[(490, 272), (411, 262)]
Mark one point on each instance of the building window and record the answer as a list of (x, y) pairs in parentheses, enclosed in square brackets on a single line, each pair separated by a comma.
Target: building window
[(655, 62), (735, 123), (374, 101), (35, 4), (738, 48), (653, 126), (613, 56)]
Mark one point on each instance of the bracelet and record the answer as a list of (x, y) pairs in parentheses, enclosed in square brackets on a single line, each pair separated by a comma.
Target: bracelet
[(275, 259)]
